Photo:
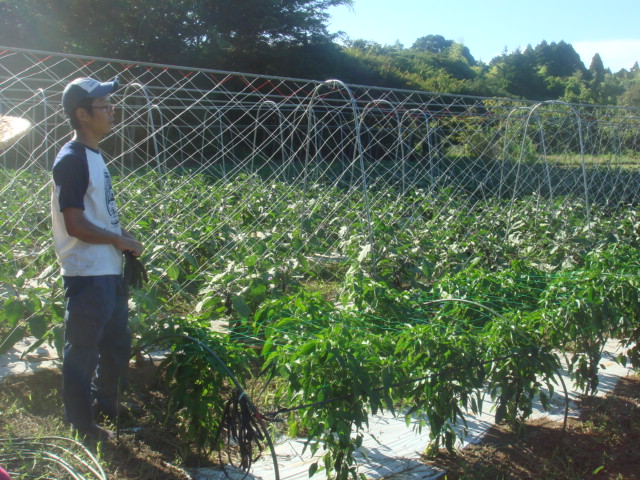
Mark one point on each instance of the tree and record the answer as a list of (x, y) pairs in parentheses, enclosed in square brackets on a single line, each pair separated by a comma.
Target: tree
[(560, 59), (520, 75), (168, 31), (459, 51), (139, 29), (576, 91), (368, 46), (447, 50), (432, 43), (597, 70), (596, 78), (243, 23), (631, 97)]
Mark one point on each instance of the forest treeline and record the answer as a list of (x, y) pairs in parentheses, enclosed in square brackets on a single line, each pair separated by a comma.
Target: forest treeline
[(289, 38)]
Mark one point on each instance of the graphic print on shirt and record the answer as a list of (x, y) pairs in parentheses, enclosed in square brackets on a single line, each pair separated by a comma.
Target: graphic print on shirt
[(112, 208)]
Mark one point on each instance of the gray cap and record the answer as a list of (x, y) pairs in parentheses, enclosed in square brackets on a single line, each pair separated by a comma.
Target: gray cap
[(82, 88)]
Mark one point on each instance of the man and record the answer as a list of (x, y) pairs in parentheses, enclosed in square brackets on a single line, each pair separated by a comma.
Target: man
[(89, 244)]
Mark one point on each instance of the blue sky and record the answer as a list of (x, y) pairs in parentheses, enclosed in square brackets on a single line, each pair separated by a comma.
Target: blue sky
[(610, 28)]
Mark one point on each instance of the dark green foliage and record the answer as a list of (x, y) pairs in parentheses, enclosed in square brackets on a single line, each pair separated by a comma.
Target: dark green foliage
[(164, 31), (290, 38)]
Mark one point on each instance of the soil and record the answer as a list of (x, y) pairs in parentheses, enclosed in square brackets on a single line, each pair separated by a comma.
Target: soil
[(602, 443)]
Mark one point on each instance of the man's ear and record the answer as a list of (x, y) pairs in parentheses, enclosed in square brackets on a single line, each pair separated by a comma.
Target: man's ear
[(82, 115)]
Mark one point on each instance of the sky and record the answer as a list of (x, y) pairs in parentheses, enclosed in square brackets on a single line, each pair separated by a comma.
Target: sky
[(610, 28)]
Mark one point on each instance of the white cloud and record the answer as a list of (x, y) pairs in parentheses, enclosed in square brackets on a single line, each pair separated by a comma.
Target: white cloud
[(615, 54)]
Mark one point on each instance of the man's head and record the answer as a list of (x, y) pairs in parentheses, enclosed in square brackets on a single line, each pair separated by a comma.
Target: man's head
[(86, 94)]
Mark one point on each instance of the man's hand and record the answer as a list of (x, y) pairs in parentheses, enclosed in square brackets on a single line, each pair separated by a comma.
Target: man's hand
[(129, 244), (135, 251)]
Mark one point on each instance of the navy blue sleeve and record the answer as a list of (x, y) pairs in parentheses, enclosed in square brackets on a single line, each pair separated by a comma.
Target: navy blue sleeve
[(71, 177)]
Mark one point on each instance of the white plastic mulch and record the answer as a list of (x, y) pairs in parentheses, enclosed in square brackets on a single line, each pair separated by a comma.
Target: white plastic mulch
[(15, 362)]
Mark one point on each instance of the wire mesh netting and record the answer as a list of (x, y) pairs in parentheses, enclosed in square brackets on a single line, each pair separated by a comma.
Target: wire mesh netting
[(218, 167), (246, 188), (230, 178)]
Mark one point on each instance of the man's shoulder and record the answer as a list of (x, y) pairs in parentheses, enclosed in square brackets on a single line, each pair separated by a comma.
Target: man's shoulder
[(71, 162), (71, 153)]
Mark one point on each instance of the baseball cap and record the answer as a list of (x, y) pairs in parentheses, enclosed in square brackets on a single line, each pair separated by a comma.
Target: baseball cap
[(85, 87)]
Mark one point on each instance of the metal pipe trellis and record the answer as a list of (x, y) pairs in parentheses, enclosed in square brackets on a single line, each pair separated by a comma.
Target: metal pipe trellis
[(148, 107), (274, 107), (582, 153), (408, 114), (397, 137), (520, 156), (313, 126), (214, 111), (334, 85)]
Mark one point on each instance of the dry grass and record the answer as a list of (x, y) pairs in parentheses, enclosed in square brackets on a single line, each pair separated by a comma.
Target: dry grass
[(31, 406)]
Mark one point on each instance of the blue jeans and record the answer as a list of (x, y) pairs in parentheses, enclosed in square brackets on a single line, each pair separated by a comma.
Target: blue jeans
[(97, 345)]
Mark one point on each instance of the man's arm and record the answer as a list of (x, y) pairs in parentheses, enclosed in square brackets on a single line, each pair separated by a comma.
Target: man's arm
[(80, 227)]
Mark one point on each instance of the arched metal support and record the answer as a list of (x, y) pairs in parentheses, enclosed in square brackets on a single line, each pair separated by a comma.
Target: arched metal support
[(45, 131), (528, 117), (149, 108), (368, 110), (273, 107), (214, 113), (582, 153), (335, 85), (415, 113)]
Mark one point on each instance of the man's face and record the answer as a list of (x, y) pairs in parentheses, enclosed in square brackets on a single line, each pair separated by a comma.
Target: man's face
[(102, 117)]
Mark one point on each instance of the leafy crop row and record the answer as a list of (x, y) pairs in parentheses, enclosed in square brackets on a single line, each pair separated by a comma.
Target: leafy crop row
[(454, 296)]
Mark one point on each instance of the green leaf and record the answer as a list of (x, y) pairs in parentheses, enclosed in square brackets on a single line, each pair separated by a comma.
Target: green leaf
[(6, 343), (258, 291), (209, 302), (35, 345), (191, 259), (544, 401), (307, 348), (251, 261), (448, 440), (267, 347), (13, 311), (387, 378), (241, 306), (58, 339), (501, 412), (389, 403), (37, 326), (173, 271)]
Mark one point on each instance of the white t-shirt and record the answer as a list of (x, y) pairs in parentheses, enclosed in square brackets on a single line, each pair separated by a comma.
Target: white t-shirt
[(81, 179)]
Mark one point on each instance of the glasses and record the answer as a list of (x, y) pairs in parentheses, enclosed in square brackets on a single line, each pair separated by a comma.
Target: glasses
[(109, 107)]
